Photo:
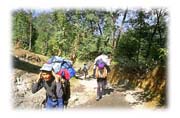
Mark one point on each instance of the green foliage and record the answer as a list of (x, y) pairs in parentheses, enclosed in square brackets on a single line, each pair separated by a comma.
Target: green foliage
[(20, 28), (138, 40), (128, 46), (143, 45)]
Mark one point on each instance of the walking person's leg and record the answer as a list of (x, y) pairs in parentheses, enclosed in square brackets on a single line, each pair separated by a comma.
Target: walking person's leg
[(98, 89), (67, 93), (105, 82), (85, 73), (60, 103), (103, 86)]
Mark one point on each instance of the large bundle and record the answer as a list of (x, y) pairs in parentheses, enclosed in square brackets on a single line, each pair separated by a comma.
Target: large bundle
[(101, 61), (104, 58), (62, 66)]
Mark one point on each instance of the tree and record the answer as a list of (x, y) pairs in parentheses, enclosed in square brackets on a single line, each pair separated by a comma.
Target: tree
[(136, 35), (43, 24), (20, 28), (146, 38), (30, 29)]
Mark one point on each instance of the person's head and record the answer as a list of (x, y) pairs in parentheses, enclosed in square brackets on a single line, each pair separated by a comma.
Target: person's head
[(46, 72), (46, 75), (109, 54)]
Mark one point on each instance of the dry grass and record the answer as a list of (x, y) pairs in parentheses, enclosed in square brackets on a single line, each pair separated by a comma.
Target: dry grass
[(154, 82)]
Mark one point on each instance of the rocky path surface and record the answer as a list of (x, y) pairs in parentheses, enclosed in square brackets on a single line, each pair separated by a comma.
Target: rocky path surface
[(85, 91), (116, 97), (83, 94), (21, 91)]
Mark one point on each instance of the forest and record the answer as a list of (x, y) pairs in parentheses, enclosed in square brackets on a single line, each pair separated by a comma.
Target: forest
[(136, 38)]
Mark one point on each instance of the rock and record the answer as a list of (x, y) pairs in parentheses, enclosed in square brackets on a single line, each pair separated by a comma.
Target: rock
[(130, 98)]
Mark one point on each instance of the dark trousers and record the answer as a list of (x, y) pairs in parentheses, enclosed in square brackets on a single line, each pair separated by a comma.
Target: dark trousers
[(66, 92), (101, 86)]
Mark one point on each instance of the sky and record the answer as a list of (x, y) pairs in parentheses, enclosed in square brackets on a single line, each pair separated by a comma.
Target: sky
[(36, 12), (8, 6)]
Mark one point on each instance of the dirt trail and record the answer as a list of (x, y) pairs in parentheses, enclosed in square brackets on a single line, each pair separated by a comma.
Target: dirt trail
[(114, 98), (83, 94)]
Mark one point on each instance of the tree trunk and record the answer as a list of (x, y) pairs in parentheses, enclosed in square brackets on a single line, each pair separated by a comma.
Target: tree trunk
[(114, 17), (100, 29), (46, 47), (121, 27), (92, 28), (153, 34), (30, 31), (30, 37), (138, 53)]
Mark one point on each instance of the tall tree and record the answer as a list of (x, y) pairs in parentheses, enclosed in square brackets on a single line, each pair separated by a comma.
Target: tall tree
[(30, 19), (20, 28), (43, 24), (121, 28)]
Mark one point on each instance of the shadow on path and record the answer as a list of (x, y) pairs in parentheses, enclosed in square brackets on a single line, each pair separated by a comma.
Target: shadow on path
[(25, 66)]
